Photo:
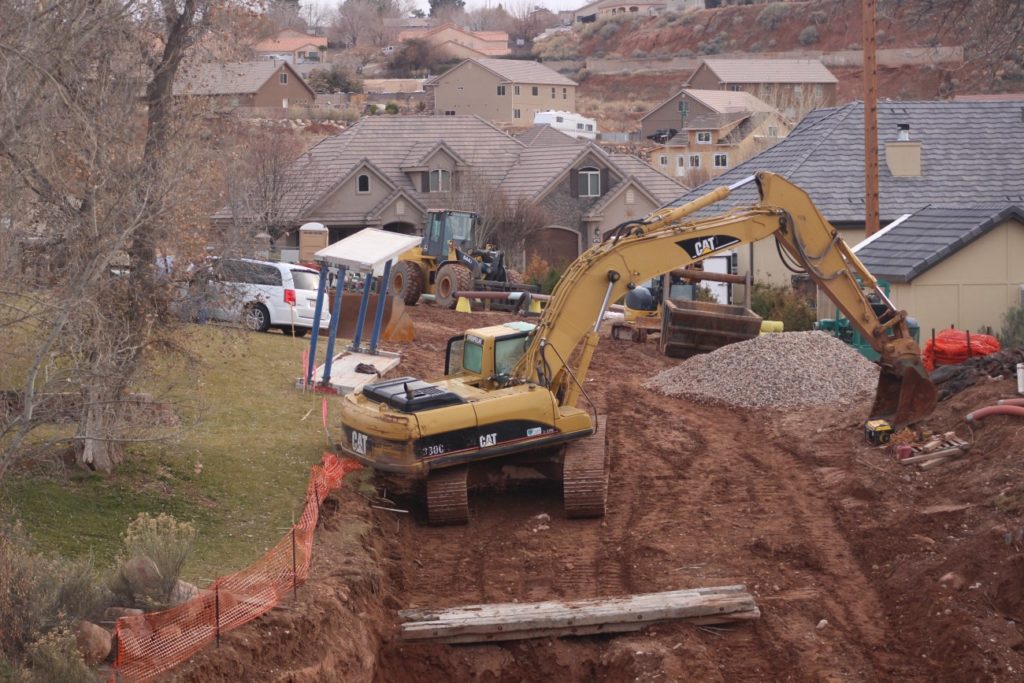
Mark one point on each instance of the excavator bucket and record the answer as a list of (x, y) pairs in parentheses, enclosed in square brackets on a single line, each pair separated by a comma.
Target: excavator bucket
[(904, 396), (397, 325)]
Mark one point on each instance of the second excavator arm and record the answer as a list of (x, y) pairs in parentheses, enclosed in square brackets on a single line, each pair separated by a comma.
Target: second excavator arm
[(563, 343)]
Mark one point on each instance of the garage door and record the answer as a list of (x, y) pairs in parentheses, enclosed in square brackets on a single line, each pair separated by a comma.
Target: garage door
[(557, 246)]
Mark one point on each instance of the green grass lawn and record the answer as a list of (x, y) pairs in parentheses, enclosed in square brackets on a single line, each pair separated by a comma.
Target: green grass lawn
[(238, 471)]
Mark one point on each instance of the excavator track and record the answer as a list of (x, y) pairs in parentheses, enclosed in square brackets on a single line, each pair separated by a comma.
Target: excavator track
[(448, 496), (585, 475)]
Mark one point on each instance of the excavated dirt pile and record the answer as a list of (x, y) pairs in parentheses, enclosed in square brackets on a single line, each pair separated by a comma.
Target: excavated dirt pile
[(773, 370)]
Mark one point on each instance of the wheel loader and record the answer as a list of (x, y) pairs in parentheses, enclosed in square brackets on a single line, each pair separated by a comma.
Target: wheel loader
[(447, 262), (509, 394)]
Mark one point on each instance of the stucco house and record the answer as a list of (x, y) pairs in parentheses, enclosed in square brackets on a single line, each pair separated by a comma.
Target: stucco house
[(386, 171), (715, 130), (792, 86), (959, 266), (264, 83), (508, 91), (293, 46), (592, 11), (460, 43), (956, 154)]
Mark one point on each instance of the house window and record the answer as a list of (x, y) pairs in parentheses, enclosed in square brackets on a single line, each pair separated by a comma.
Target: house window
[(536, 91), (400, 207), (440, 181), (284, 78), (721, 161), (773, 132), (559, 119), (579, 126), (449, 112), (694, 161), (680, 162), (589, 182), (515, 90), (565, 93), (704, 137), (552, 93), (630, 196), (735, 87), (767, 88), (501, 90), (517, 114), (663, 160), (590, 126), (363, 184), (798, 90)]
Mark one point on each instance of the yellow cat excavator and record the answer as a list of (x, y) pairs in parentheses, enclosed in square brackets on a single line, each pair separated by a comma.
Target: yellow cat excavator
[(509, 392)]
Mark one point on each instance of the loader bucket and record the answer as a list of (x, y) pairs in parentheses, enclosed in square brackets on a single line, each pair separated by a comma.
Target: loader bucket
[(397, 325), (904, 396)]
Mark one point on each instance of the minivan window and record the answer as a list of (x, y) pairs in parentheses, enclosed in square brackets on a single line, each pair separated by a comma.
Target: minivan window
[(305, 279), (263, 274)]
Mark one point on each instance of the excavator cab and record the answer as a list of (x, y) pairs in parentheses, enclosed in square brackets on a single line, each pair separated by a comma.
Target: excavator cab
[(488, 352)]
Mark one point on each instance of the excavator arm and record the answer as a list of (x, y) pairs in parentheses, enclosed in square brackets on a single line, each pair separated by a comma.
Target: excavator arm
[(563, 343)]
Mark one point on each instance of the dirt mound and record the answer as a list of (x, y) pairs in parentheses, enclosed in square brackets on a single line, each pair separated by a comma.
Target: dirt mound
[(774, 370)]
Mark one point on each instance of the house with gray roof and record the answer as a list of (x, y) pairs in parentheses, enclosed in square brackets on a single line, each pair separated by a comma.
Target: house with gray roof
[(958, 154), (387, 171), (793, 86), (262, 83), (952, 265), (509, 91)]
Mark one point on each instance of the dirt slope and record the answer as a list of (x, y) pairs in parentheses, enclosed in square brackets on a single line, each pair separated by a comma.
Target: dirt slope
[(816, 523)]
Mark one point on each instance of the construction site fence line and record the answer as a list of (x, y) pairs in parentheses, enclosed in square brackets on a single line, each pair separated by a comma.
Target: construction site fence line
[(150, 644)]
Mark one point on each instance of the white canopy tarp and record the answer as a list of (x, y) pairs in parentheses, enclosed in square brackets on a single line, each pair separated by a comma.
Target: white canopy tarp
[(367, 250)]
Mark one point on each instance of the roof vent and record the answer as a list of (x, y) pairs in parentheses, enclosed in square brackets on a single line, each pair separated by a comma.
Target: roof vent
[(904, 132)]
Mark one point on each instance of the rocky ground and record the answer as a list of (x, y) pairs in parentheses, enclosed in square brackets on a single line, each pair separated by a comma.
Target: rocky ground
[(864, 569)]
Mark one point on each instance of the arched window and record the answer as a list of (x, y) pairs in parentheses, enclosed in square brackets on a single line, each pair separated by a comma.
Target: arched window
[(589, 182), (440, 181), (363, 184)]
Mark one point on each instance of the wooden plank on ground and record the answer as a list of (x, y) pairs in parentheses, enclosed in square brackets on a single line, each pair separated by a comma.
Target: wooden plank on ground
[(516, 621)]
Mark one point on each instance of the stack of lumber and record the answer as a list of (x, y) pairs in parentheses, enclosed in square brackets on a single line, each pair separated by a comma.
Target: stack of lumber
[(936, 451), (517, 621)]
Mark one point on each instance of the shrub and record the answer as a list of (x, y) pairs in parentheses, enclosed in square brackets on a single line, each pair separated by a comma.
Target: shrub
[(165, 541), (775, 302), (559, 46), (809, 35), (372, 110), (28, 593), (391, 108), (1012, 333), (334, 78), (773, 15), (541, 273), (55, 657)]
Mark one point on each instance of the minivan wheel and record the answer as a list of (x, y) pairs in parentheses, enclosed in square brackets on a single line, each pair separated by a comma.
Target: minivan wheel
[(257, 318)]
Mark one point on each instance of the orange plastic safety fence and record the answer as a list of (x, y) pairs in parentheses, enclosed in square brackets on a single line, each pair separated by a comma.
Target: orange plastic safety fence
[(952, 347), (152, 643)]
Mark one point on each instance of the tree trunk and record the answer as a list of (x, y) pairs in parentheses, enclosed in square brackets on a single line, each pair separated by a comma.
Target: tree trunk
[(98, 427)]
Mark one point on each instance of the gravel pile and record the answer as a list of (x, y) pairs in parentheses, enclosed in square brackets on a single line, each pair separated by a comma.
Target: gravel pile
[(774, 370)]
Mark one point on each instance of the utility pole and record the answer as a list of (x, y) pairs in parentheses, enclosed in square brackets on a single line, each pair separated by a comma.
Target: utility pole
[(871, 219)]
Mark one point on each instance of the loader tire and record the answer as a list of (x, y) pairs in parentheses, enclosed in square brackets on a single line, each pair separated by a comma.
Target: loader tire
[(407, 282), (451, 279)]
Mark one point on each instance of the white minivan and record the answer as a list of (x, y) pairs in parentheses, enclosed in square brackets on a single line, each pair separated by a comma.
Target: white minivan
[(264, 294)]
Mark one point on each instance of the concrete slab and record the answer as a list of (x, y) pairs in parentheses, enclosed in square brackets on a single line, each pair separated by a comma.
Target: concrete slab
[(345, 379)]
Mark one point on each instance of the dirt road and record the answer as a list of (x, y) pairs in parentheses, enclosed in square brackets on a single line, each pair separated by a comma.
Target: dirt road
[(843, 549)]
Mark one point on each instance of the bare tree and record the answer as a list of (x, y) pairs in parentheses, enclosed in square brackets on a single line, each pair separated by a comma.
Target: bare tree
[(358, 23), (98, 181)]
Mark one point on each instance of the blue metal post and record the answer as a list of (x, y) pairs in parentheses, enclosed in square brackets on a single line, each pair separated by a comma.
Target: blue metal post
[(317, 313), (339, 294), (363, 303), (382, 298)]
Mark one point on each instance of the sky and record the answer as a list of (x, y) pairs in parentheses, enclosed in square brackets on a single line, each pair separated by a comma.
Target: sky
[(553, 5)]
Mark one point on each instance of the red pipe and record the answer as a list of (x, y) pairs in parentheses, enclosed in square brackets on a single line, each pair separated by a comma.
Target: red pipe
[(1010, 402), (995, 410)]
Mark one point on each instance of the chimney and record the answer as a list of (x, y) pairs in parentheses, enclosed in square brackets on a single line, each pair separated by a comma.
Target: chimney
[(903, 155)]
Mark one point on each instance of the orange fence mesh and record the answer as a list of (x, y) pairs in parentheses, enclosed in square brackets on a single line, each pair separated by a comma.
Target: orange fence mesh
[(952, 347), (152, 643)]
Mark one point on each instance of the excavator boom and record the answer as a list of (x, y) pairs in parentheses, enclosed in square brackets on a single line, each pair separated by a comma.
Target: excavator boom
[(650, 247)]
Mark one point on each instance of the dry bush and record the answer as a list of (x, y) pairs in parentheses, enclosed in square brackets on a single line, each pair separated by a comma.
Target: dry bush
[(778, 302), (55, 657), (38, 594), (164, 540)]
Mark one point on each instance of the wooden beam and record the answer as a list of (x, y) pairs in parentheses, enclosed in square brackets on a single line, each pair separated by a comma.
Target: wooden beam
[(516, 621)]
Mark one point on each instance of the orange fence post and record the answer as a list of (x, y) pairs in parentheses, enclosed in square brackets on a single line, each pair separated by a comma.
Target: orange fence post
[(295, 576)]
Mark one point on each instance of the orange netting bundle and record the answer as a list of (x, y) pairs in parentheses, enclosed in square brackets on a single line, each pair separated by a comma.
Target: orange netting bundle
[(952, 347), (152, 643)]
